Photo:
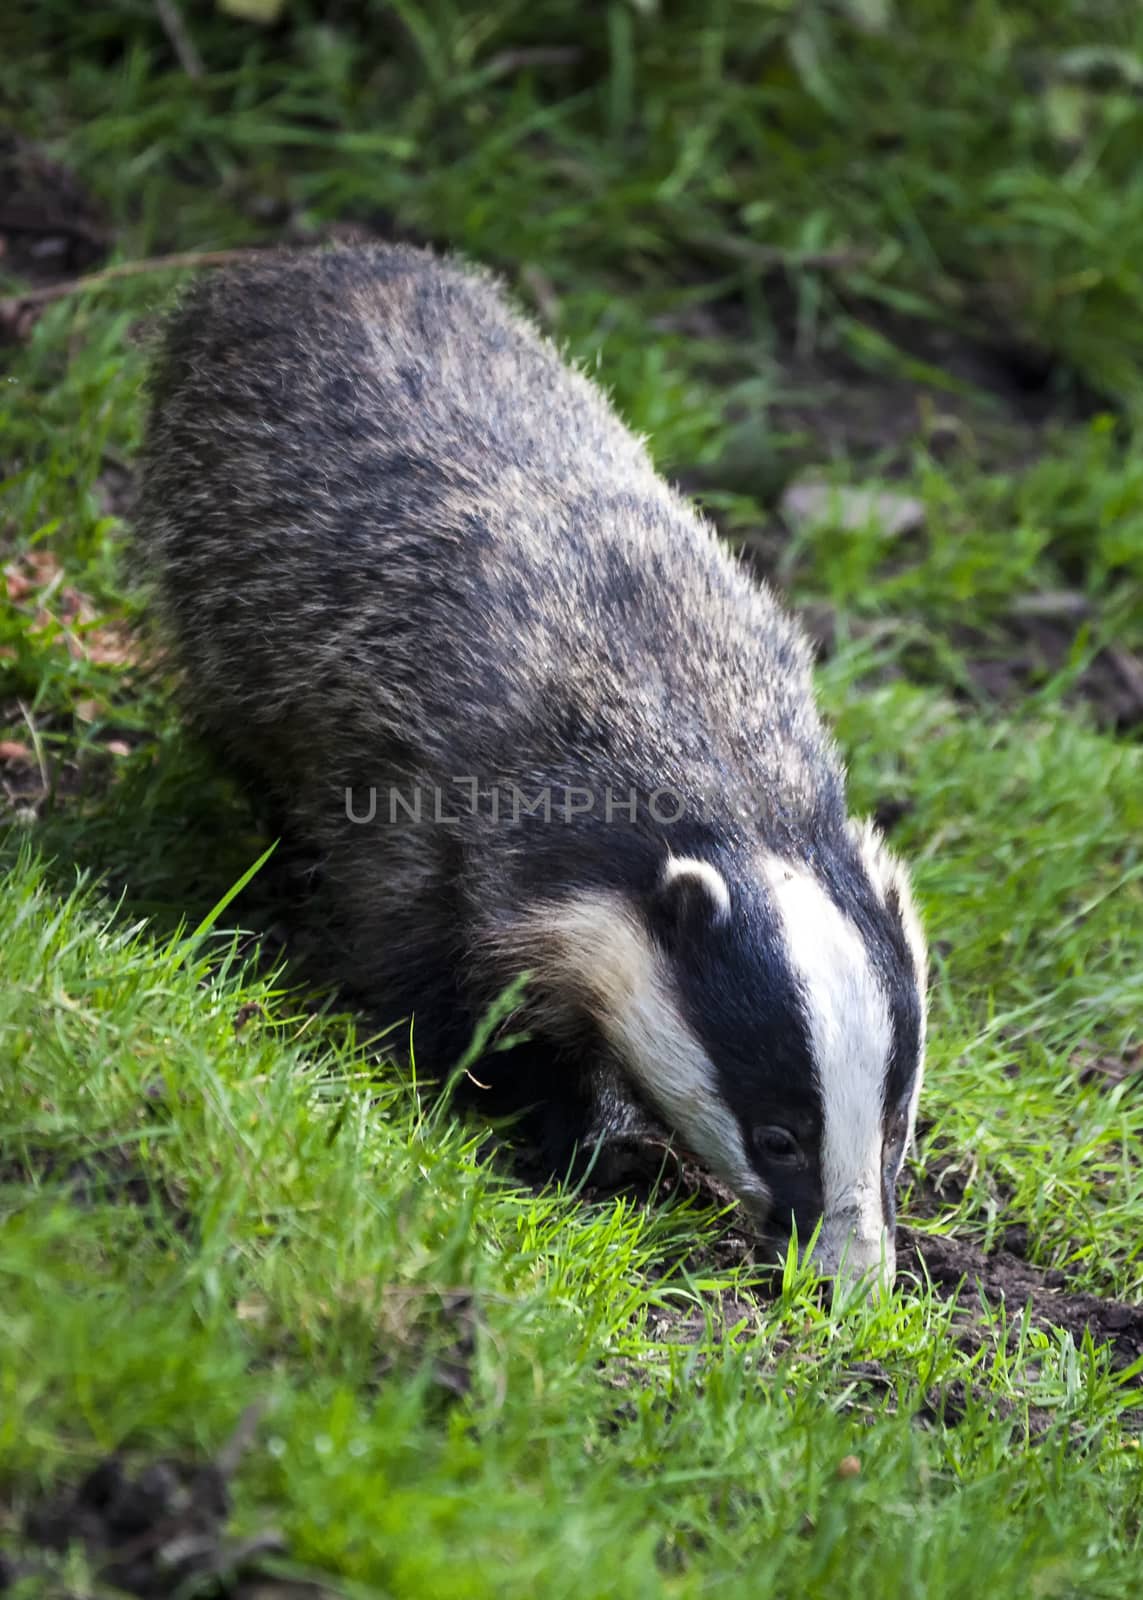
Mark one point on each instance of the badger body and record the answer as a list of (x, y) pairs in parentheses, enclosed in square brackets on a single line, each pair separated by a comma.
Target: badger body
[(431, 600)]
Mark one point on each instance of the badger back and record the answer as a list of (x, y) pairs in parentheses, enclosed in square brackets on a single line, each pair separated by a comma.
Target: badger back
[(350, 454)]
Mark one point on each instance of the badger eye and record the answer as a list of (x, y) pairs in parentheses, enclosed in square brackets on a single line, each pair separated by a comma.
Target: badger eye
[(777, 1146)]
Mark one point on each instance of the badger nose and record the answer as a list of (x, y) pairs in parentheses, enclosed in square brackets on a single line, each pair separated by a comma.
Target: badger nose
[(849, 1253)]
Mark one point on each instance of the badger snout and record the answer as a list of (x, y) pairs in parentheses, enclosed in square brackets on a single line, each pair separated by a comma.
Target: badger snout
[(850, 1246), (853, 1246)]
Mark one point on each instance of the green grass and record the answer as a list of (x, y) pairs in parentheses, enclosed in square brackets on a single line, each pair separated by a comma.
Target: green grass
[(212, 1194), (312, 1240)]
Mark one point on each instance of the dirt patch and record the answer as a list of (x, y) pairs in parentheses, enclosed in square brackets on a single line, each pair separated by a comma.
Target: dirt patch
[(1006, 1278), (50, 227), (34, 780), (959, 1272), (1096, 1066), (1010, 663), (985, 380), (152, 1529), (29, 782), (918, 381), (100, 1177), (1003, 664), (832, 410)]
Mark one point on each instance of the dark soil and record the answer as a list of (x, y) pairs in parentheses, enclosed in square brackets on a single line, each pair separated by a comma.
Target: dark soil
[(1030, 649), (1001, 390), (989, 396), (97, 1177), (148, 1530), (1096, 1066), (1005, 663), (1005, 1277), (108, 1177), (50, 228)]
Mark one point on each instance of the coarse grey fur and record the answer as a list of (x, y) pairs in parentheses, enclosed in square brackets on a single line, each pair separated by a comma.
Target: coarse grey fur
[(398, 544)]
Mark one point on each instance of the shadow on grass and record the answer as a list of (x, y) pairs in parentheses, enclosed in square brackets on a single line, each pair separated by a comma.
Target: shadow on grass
[(163, 834)]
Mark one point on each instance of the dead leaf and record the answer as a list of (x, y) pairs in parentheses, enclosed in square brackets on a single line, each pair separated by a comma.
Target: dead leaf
[(35, 570), (111, 645), (1111, 1069)]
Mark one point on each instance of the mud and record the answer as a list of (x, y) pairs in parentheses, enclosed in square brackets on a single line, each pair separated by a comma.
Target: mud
[(1006, 1278), (151, 1529)]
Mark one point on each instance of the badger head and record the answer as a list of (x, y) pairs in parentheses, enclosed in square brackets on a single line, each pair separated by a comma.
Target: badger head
[(775, 1019)]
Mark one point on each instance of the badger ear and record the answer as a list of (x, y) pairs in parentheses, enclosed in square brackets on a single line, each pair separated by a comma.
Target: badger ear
[(891, 880), (691, 893)]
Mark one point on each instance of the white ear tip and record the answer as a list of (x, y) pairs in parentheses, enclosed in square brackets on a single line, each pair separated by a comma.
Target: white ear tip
[(692, 871)]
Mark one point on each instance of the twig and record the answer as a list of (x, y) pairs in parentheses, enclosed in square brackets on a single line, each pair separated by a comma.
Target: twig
[(535, 56), (240, 1440), (766, 256), (38, 747), (180, 40), (1129, 669), (43, 294)]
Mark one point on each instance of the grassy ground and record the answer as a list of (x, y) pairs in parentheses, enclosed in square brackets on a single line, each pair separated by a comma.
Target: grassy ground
[(791, 240)]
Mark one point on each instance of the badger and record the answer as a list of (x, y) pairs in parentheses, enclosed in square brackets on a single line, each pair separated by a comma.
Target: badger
[(533, 724)]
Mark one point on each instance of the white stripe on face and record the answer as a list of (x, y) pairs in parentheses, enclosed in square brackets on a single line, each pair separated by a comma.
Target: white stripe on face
[(851, 1036), (612, 964)]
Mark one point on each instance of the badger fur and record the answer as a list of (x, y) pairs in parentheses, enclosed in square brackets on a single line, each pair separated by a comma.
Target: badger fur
[(431, 600)]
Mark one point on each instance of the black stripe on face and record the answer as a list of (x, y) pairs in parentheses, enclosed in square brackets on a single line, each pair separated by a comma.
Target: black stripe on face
[(893, 1154), (903, 987), (739, 997), (796, 1197), (905, 1011)]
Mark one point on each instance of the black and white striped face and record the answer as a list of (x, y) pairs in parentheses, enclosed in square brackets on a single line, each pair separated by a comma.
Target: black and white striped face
[(777, 1026), (806, 991)]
